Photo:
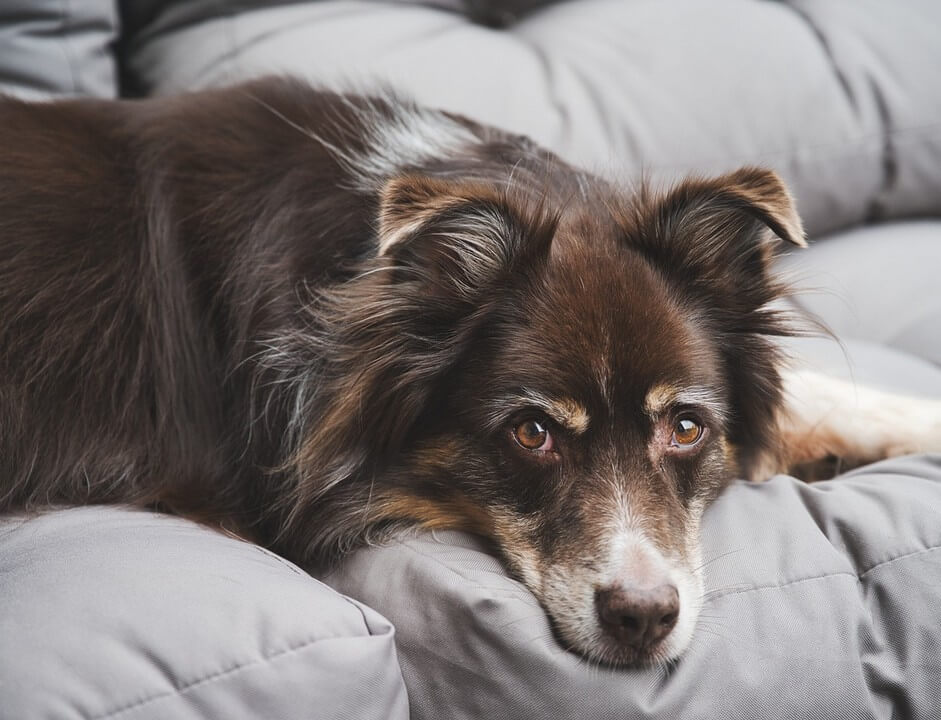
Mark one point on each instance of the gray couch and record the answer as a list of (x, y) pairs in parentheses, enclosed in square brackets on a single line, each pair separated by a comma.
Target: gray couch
[(823, 600)]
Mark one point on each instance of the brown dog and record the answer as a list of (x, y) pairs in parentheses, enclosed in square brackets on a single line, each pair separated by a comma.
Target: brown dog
[(313, 319)]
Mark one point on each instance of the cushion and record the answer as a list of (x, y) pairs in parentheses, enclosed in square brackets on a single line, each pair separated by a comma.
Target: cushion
[(837, 95), (822, 602), (877, 284), (54, 48), (868, 363), (109, 613)]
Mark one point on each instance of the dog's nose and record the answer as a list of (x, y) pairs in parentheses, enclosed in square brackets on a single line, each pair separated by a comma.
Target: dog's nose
[(638, 617)]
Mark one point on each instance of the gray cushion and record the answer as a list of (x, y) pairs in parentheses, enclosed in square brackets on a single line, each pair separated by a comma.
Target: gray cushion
[(52, 48), (823, 601), (867, 363), (878, 284), (841, 96), (108, 613)]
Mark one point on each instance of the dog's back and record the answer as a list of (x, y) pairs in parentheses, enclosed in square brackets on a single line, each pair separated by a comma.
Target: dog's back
[(145, 248), (77, 405), (156, 257)]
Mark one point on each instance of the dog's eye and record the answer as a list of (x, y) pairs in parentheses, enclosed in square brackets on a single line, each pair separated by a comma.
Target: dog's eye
[(686, 433), (533, 435)]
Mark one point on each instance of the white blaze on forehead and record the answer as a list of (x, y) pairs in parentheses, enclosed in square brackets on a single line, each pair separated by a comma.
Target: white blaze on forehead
[(661, 398)]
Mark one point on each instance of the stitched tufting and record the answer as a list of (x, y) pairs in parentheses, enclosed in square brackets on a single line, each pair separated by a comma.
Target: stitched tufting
[(186, 687), (857, 576)]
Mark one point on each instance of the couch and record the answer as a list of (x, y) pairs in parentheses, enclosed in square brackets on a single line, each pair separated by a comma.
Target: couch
[(823, 600)]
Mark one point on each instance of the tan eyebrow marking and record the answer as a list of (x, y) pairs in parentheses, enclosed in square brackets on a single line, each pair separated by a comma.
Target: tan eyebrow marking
[(659, 398), (567, 412), (662, 397)]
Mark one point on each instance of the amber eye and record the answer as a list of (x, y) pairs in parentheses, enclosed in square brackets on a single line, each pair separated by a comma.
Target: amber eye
[(686, 432), (532, 435)]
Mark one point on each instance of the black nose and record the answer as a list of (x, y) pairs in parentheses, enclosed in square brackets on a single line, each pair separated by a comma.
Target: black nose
[(638, 617)]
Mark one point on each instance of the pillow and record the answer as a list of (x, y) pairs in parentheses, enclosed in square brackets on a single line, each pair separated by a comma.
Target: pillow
[(108, 613), (822, 601), (53, 48), (838, 96)]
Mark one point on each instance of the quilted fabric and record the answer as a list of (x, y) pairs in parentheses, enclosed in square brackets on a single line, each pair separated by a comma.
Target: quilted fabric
[(823, 601), (109, 614), (879, 285), (840, 96)]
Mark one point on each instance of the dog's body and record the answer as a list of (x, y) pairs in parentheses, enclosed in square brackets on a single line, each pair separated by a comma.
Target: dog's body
[(312, 318)]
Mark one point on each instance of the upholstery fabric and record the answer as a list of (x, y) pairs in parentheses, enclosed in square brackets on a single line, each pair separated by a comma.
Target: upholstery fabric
[(52, 48), (839, 95), (822, 602), (108, 613), (877, 284), (867, 363)]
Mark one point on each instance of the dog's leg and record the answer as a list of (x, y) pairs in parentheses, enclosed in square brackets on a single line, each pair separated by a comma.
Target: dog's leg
[(825, 420)]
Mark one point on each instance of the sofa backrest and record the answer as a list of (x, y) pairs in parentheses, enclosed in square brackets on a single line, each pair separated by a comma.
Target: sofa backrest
[(841, 97), (50, 48)]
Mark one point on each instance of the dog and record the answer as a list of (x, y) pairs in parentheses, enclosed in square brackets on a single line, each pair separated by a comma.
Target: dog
[(314, 319)]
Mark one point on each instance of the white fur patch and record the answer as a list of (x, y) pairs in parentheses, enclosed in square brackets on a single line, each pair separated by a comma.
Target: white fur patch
[(627, 555), (825, 416), (411, 137), (633, 558), (407, 137)]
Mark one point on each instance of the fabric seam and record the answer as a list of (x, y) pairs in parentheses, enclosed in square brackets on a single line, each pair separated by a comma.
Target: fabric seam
[(857, 576), (221, 674)]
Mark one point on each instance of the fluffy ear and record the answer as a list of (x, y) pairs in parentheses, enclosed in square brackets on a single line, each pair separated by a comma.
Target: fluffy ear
[(756, 192), (455, 239), (715, 239), (716, 236), (445, 250), (409, 202)]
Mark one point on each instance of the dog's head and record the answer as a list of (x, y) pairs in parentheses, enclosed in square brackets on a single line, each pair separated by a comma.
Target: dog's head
[(574, 382)]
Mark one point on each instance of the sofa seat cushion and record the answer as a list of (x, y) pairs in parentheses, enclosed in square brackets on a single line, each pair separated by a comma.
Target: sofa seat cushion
[(821, 601), (108, 613)]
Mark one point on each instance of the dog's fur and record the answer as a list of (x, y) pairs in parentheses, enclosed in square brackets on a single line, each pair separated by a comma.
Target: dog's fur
[(312, 319)]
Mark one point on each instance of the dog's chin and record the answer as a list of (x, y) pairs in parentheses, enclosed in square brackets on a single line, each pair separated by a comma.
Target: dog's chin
[(609, 653)]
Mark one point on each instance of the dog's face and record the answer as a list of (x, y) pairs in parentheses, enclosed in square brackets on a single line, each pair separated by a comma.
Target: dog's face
[(600, 374), (598, 417)]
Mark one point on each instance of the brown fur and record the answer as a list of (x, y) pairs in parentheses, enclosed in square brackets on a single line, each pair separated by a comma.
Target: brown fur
[(209, 306)]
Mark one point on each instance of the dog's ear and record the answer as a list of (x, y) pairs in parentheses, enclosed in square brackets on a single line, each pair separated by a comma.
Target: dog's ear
[(396, 329), (455, 238), (757, 193), (716, 236), (715, 239)]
